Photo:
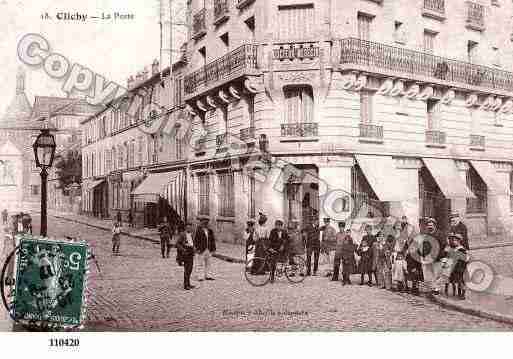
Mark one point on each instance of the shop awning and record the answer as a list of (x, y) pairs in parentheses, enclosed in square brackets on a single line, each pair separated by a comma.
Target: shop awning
[(388, 182), (92, 184), (446, 175), (489, 176), (154, 186)]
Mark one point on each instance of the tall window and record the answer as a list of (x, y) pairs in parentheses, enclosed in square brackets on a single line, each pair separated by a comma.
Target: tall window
[(226, 194), (179, 148), (140, 148), (204, 194), (296, 21), (472, 51), (120, 157), (251, 194), (429, 41), (511, 191), (114, 158), (299, 104), (478, 187), (131, 155), (34, 190), (434, 118), (251, 110), (364, 26), (366, 110), (107, 161), (496, 58), (103, 127)]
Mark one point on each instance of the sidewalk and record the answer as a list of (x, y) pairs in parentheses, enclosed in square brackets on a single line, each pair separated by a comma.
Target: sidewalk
[(225, 251)]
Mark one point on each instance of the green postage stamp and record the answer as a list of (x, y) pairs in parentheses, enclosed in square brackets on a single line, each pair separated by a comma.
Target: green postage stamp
[(50, 281)]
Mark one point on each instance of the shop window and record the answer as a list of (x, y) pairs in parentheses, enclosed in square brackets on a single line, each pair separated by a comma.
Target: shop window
[(365, 201), (226, 194), (204, 194), (478, 187)]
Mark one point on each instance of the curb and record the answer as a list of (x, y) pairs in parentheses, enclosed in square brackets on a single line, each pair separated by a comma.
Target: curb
[(471, 310), (215, 255)]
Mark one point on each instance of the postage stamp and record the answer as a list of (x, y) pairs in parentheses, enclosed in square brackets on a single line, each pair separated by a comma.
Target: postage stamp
[(51, 277)]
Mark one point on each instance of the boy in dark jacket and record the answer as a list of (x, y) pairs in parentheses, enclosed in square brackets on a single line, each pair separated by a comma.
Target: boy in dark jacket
[(365, 253)]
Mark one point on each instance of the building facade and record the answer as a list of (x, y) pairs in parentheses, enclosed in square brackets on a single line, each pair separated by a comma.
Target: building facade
[(350, 109), (132, 162)]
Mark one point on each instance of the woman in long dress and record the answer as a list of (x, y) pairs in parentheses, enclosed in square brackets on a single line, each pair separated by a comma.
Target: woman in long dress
[(261, 237)]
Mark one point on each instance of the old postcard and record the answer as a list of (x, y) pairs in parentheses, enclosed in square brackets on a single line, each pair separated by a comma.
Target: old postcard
[(256, 165)]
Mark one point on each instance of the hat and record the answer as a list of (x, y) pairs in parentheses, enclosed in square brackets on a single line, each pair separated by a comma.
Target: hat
[(431, 220), (326, 219), (454, 215), (260, 213), (250, 222), (455, 235)]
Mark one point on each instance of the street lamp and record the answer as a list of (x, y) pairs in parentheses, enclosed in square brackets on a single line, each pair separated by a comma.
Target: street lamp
[(44, 151)]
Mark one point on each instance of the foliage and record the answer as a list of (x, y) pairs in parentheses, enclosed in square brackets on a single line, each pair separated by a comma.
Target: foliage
[(69, 168)]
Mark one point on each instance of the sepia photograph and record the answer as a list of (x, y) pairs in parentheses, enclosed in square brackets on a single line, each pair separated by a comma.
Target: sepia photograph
[(256, 166)]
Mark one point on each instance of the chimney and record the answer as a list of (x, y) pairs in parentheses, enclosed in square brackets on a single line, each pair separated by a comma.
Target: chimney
[(155, 67), (130, 82)]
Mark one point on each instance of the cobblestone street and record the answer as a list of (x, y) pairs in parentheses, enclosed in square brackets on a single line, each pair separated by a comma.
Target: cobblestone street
[(138, 290)]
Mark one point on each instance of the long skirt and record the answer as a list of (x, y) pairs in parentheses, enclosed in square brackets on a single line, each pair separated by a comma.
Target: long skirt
[(259, 259)]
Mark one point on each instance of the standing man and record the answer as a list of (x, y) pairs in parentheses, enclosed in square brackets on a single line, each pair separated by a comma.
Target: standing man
[(5, 214), (313, 245), (131, 218), (165, 238), (185, 248), (249, 240), (457, 226), (205, 245), (340, 237), (328, 243)]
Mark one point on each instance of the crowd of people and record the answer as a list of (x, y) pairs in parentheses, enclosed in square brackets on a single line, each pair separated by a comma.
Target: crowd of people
[(19, 222), (394, 257)]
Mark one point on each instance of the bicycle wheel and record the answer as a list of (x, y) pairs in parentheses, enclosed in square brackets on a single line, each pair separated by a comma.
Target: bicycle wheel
[(296, 272), (256, 272)]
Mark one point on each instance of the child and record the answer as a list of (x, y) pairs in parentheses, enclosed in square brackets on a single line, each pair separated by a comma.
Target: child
[(460, 259), (116, 234), (399, 271), (365, 253)]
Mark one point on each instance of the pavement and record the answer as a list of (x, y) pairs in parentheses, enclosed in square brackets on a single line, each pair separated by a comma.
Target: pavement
[(140, 291)]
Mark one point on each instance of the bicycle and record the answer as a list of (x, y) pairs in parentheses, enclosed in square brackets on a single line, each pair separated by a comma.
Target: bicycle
[(258, 270)]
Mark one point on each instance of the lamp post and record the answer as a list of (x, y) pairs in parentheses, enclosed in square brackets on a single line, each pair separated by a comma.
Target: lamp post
[(44, 151)]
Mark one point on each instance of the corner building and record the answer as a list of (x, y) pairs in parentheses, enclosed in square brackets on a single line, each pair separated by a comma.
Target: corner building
[(403, 105)]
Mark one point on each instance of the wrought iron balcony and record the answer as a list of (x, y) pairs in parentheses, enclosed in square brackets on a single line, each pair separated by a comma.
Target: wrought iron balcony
[(435, 137), (371, 131), (199, 24), (357, 54), (434, 9), (475, 16), (477, 141), (232, 65), (300, 129), (247, 134), (221, 11), (296, 51)]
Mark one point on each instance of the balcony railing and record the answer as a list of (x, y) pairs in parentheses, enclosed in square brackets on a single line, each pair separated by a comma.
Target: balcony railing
[(221, 11), (296, 51), (376, 57), (434, 8), (371, 131), (302, 129), (475, 16), (436, 137), (236, 62), (477, 141), (199, 24), (247, 133)]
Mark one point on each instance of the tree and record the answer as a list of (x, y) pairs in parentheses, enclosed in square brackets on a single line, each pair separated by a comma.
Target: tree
[(69, 168)]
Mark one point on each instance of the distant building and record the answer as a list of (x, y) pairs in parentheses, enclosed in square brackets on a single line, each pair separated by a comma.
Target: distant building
[(19, 177)]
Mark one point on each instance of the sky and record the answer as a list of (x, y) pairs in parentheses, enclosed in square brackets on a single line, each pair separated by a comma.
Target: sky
[(114, 49)]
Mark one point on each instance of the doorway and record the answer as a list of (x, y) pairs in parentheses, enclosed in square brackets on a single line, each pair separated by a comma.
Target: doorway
[(433, 203)]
